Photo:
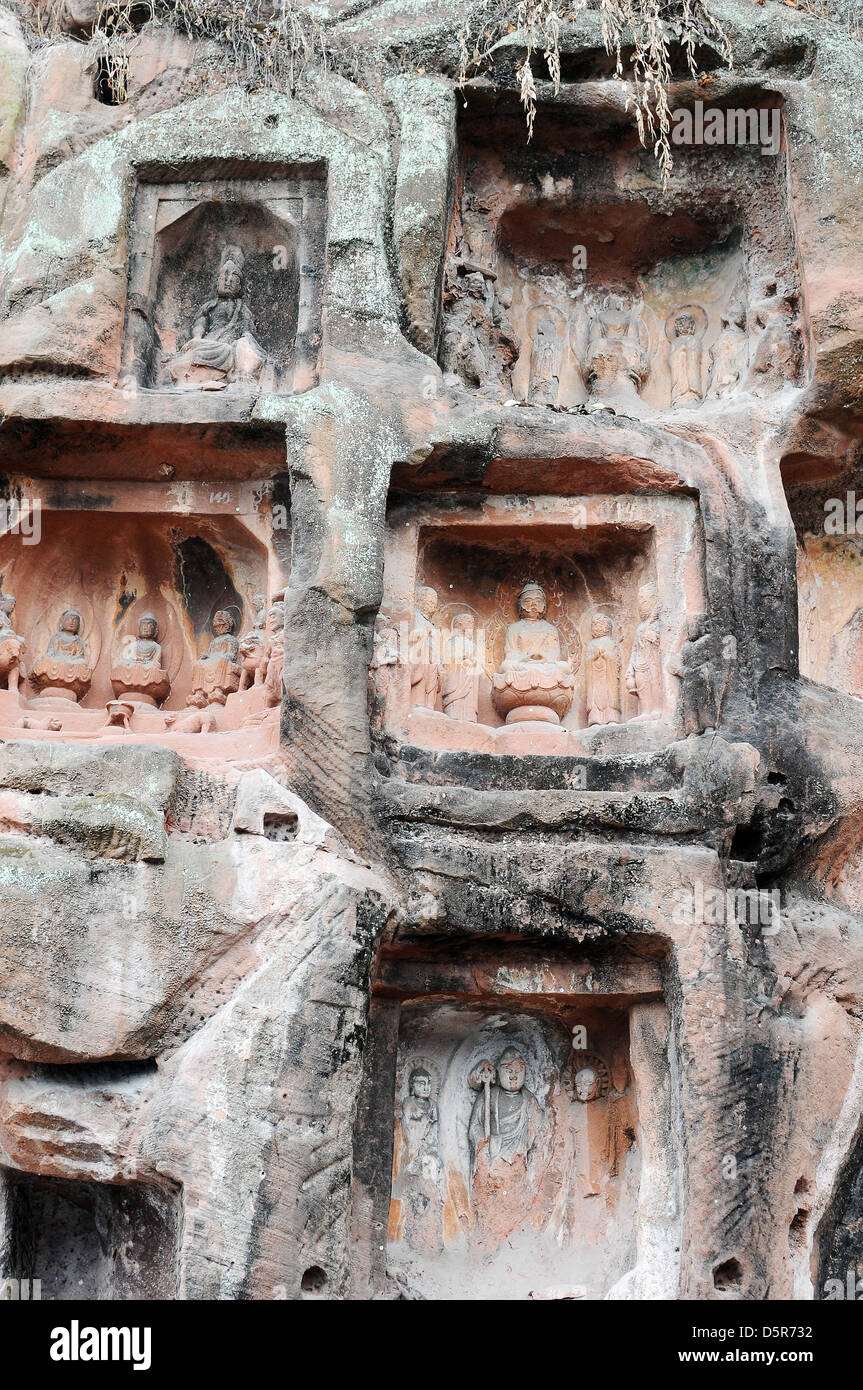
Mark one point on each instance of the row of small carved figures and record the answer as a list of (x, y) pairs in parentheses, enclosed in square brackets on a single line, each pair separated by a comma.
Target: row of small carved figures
[(230, 663)]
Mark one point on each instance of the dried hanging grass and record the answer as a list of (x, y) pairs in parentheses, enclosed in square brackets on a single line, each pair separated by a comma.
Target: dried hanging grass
[(652, 27)]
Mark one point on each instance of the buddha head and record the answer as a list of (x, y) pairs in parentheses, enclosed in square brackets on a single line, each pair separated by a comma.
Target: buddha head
[(70, 621), (588, 1084), (600, 626), (511, 1070), (684, 325), (230, 282), (222, 622), (148, 626), (532, 603), (419, 1084), (648, 602)]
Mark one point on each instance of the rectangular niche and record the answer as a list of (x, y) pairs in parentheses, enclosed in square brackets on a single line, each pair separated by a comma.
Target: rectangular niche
[(569, 278), (830, 610), (187, 328), (530, 1125), (612, 572), (89, 1241), (117, 606)]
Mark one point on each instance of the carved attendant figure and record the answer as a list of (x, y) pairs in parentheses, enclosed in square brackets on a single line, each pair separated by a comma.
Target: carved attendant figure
[(699, 667), (685, 328), (616, 365), (460, 689), (253, 647), (416, 1205), (512, 1112), (416, 1127), (544, 363), (603, 661), (534, 681), (11, 644), (223, 347), (216, 675), (729, 355), (138, 673), (644, 671), (424, 668), (65, 669)]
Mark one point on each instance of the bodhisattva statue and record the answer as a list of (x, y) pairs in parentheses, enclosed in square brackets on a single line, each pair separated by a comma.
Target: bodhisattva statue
[(685, 329), (506, 1116), (699, 666), (216, 675), (644, 670), (138, 675), (64, 671), (534, 681), (11, 645), (602, 663), (460, 688), (254, 647), (545, 354), (616, 365), (416, 1126), (729, 355), (425, 674), (223, 348)]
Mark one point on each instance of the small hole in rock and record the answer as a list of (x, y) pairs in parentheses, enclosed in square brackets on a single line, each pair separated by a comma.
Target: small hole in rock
[(727, 1275), (112, 76), (314, 1280)]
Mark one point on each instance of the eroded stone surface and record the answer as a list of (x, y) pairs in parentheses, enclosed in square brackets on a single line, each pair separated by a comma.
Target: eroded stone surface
[(429, 789)]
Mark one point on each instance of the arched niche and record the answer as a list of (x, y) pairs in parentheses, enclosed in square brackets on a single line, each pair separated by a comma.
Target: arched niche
[(189, 249)]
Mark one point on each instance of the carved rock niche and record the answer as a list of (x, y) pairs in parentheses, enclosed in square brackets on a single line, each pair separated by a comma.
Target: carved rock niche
[(830, 611), (159, 626), (564, 285), (535, 625), (225, 285), (92, 1240), (530, 1138)]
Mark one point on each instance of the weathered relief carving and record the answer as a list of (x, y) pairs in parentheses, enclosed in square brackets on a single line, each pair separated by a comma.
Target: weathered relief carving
[(701, 667), (729, 354), (603, 662), (12, 645), (216, 675), (222, 348), (462, 670), (254, 647), (534, 681), (616, 364), (425, 672), (546, 350), (497, 1163), (64, 671), (138, 674), (644, 670), (685, 330), (225, 285)]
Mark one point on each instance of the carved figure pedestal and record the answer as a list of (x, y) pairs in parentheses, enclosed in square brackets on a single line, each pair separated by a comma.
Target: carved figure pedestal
[(142, 684), (60, 680), (528, 696)]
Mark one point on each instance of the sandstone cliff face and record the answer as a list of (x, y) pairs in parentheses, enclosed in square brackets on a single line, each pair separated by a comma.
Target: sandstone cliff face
[(464, 897)]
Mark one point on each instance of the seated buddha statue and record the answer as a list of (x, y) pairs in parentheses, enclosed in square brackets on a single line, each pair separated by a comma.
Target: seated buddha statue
[(64, 671), (138, 675), (534, 680), (216, 675)]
